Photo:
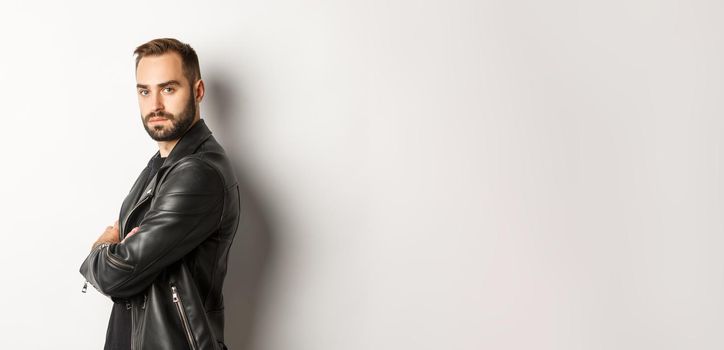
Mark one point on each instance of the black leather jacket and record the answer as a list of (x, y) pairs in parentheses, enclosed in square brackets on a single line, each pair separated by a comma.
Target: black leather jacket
[(172, 270)]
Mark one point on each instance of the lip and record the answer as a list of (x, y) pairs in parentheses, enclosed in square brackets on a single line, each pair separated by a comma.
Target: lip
[(156, 119)]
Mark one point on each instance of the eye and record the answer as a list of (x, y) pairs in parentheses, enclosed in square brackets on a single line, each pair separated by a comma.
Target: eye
[(143, 92), (168, 90)]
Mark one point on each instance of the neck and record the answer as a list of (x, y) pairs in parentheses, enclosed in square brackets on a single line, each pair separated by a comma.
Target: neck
[(165, 147)]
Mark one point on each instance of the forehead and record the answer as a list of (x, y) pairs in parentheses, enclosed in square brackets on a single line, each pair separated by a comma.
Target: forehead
[(161, 68)]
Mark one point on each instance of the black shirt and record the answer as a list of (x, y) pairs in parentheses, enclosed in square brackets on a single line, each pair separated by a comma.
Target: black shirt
[(118, 335)]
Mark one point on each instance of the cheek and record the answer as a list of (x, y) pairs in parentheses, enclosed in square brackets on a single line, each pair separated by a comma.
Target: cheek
[(145, 106), (175, 104)]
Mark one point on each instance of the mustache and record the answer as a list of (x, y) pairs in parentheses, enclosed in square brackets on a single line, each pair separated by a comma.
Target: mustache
[(161, 114)]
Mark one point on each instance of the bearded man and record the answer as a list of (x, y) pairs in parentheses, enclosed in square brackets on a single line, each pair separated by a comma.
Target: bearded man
[(163, 262)]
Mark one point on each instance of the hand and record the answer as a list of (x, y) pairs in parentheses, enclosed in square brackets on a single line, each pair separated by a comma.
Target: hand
[(111, 235), (135, 229)]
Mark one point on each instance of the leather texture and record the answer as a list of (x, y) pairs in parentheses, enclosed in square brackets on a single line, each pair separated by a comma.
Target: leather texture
[(172, 270)]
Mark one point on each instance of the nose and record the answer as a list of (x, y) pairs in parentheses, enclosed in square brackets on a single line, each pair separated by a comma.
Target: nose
[(157, 102)]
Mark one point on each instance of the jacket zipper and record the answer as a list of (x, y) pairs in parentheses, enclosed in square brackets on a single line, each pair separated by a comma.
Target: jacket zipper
[(143, 200), (184, 319), (133, 329), (111, 259), (135, 339), (117, 262)]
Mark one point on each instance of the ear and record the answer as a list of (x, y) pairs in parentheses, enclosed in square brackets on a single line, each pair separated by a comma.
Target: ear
[(199, 90)]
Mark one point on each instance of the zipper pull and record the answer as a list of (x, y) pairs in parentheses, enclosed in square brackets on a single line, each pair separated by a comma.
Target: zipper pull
[(85, 286), (175, 295)]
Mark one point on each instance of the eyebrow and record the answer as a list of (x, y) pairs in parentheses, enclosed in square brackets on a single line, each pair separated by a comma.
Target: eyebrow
[(161, 85)]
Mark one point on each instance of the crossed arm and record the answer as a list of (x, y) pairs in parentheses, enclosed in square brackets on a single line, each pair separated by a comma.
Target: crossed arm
[(185, 210), (111, 235)]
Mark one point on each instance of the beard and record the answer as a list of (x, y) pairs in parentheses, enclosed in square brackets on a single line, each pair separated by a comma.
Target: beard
[(179, 124)]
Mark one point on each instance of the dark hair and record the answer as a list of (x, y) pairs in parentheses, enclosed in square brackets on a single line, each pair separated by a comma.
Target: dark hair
[(155, 47)]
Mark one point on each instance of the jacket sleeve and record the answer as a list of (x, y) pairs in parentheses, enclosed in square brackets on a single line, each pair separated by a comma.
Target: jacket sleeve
[(185, 210)]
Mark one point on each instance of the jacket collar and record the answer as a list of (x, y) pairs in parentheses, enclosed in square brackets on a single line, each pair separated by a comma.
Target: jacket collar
[(189, 142)]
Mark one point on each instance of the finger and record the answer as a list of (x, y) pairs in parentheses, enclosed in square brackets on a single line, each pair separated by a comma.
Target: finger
[(135, 229)]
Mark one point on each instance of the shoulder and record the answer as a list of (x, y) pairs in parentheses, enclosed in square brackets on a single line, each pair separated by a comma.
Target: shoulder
[(192, 173)]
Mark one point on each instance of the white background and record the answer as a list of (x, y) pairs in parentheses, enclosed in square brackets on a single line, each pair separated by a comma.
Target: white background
[(416, 174)]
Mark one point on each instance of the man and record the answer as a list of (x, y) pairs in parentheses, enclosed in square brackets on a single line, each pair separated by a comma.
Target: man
[(163, 262)]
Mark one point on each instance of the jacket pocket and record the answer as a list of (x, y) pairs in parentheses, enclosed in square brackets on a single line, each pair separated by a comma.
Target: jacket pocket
[(176, 296)]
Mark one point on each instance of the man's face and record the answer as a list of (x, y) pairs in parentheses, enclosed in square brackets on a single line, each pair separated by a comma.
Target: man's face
[(165, 97)]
